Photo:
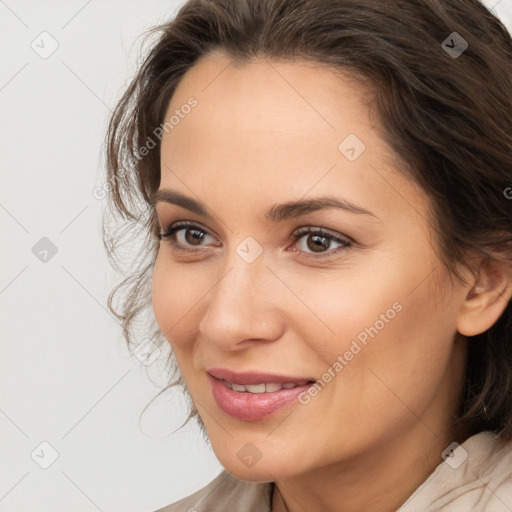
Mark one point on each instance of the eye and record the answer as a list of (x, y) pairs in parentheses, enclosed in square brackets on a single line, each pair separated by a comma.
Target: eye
[(183, 234), (188, 237), (319, 240)]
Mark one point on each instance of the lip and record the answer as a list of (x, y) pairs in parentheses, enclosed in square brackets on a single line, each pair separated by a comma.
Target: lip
[(253, 406), (253, 377)]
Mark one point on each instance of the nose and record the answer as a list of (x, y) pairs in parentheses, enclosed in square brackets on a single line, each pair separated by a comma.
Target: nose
[(243, 306)]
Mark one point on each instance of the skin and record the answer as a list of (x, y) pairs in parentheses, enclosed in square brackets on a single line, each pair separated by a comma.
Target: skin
[(265, 133)]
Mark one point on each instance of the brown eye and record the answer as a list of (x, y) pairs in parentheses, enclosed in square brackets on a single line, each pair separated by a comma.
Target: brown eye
[(317, 241), (193, 236), (183, 235)]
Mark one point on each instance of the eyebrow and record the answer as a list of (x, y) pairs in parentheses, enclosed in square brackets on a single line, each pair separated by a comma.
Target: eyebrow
[(277, 213)]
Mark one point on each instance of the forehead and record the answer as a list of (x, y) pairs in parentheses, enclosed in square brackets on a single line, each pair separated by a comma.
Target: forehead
[(265, 97), (283, 125)]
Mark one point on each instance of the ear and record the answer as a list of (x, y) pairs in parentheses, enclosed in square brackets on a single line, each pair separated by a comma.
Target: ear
[(486, 299)]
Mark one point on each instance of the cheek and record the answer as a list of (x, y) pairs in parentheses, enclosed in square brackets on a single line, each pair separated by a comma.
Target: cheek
[(388, 328), (345, 307), (399, 364), (173, 299)]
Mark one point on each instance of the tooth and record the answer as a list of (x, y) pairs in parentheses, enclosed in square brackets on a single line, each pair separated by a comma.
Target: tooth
[(255, 388), (271, 387)]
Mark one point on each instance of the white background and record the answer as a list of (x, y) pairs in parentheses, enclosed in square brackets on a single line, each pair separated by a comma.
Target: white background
[(66, 376)]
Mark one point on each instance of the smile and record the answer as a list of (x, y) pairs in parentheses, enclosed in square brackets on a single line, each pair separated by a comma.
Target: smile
[(271, 387), (256, 400)]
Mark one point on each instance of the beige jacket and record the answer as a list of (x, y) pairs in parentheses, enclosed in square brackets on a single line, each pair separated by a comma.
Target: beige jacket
[(477, 478)]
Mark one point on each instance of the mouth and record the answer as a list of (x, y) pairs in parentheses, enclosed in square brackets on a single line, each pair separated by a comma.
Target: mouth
[(254, 396), (257, 378), (264, 387)]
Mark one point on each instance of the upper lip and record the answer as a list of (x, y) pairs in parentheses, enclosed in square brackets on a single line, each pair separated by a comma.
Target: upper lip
[(253, 377)]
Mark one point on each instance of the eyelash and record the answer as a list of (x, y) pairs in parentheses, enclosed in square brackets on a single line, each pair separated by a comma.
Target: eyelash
[(178, 226)]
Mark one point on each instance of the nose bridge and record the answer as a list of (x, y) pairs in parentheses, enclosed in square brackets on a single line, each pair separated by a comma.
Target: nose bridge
[(239, 307)]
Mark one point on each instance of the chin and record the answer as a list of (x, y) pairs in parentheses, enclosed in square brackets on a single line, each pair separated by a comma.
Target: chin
[(260, 472)]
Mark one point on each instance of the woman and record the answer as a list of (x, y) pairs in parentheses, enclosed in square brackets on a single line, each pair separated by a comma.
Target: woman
[(327, 190)]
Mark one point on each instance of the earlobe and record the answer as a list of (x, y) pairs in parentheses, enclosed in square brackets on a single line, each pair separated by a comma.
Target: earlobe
[(487, 299)]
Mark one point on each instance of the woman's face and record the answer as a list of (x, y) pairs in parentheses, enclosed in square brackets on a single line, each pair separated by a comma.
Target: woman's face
[(372, 321)]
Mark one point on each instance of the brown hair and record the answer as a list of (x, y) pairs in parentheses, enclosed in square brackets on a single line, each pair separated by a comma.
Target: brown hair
[(447, 116)]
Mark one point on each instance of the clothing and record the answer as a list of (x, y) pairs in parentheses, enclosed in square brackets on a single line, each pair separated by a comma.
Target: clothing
[(482, 482)]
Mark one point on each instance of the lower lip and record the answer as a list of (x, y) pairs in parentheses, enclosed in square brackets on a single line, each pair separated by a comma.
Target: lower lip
[(252, 406)]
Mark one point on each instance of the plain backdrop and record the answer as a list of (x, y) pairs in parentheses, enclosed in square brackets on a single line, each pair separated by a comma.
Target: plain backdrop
[(70, 392)]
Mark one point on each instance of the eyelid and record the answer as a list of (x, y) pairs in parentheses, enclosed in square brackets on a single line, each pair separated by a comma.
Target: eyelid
[(181, 224), (345, 241)]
